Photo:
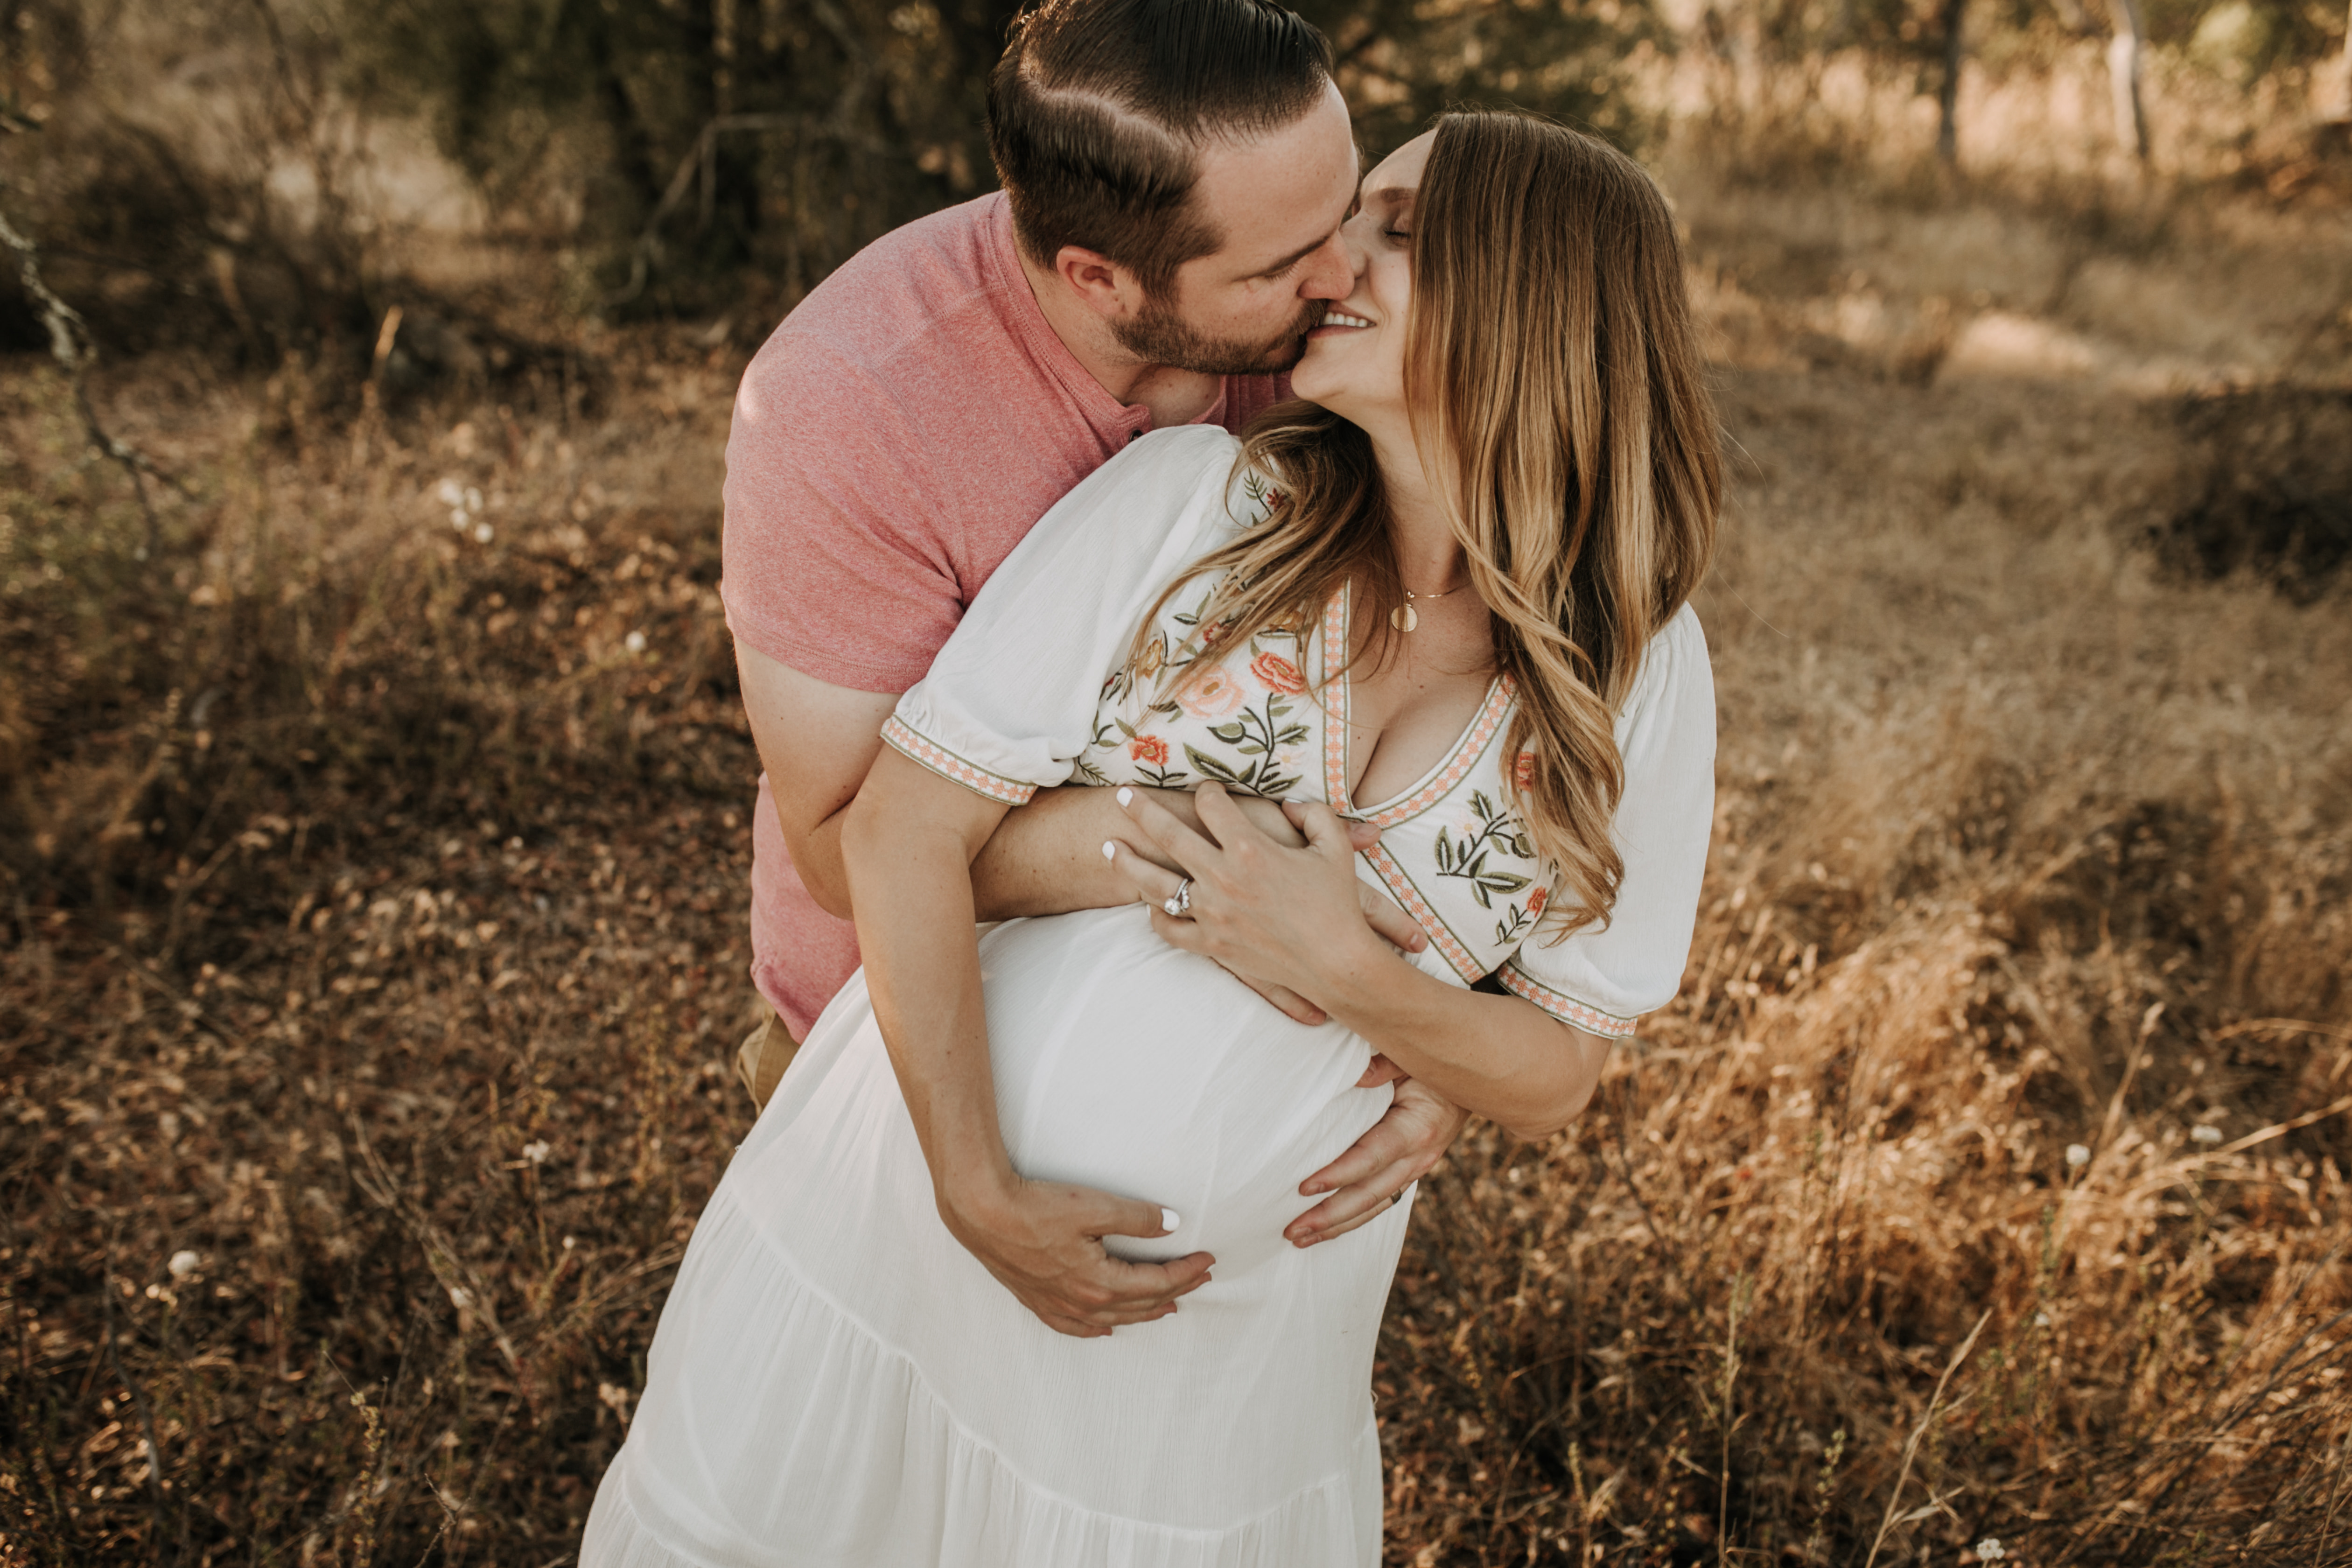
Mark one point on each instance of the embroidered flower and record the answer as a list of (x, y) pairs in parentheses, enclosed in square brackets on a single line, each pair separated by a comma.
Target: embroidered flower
[(1155, 653), (1212, 695), (1211, 634), (1538, 900), (1523, 773), (1150, 750), (1276, 673)]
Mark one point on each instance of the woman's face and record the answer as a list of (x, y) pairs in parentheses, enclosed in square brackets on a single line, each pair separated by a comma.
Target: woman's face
[(1354, 363)]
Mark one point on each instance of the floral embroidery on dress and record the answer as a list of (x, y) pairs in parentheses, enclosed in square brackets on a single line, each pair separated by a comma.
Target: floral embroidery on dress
[(1267, 718), (1478, 851), (1250, 711)]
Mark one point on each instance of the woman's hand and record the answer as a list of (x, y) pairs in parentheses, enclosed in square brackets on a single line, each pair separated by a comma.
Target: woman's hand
[(1273, 915)]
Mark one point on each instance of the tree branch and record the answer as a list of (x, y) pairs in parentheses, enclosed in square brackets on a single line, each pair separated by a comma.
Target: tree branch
[(71, 345)]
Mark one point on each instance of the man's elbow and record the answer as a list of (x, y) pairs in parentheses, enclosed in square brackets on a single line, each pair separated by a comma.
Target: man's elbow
[(831, 897), (823, 866), (1554, 1114)]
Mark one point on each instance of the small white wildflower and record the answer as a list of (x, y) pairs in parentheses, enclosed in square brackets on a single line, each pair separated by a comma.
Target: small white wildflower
[(2204, 1135), (449, 493), (184, 1263), (2077, 1155), (1990, 1550), (482, 534), (473, 498), (458, 518), (2040, 1319), (536, 1150), (634, 642), (460, 1297)]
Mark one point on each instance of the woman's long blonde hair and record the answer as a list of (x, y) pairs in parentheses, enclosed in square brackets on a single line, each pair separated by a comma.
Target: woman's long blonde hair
[(1551, 353)]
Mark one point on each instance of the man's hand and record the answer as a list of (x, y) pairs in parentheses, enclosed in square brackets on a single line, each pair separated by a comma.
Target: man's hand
[(1042, 1241), (1365, 1182)]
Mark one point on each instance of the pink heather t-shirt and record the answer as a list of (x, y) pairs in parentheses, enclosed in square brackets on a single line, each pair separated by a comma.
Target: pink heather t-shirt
[(893, 440)]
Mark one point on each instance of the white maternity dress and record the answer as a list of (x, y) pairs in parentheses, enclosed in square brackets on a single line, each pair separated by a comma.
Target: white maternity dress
[(837, 1383)]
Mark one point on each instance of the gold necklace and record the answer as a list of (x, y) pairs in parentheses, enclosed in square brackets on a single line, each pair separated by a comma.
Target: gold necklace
[(1405, 618)]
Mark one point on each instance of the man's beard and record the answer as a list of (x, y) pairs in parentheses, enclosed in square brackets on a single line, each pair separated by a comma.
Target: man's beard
[(1158, 335)]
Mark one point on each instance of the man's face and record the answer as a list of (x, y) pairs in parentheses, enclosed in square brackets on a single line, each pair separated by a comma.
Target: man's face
[(1246, 309)]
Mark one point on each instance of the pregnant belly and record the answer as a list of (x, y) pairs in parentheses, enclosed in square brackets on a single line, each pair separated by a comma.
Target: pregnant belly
[(1126, 1065)]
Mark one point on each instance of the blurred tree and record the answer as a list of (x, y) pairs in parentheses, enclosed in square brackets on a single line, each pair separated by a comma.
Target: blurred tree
[(712, 132), (1401, 61), (784, 135)]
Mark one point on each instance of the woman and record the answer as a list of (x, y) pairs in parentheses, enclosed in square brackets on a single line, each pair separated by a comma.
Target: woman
[(1458, 589)]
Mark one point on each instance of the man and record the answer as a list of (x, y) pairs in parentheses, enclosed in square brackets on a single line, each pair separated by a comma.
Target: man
[(1175, 175)]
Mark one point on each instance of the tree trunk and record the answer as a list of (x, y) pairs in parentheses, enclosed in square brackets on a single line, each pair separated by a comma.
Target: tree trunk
[(1948, 119), (2336, 94), (2123, 77)]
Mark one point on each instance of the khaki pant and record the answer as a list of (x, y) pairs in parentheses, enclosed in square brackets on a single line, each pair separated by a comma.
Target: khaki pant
[(762, 1059)]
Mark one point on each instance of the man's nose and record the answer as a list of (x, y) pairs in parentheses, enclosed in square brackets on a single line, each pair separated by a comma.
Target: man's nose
[(1331, 271)]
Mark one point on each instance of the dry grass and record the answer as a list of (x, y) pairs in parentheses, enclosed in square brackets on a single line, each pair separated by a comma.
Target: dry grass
[(374, 945)]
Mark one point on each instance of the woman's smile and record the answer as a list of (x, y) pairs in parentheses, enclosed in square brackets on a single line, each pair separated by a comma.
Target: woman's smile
[(1338, 321)]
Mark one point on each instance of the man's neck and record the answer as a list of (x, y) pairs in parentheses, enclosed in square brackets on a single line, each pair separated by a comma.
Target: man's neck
[(1174, 396)]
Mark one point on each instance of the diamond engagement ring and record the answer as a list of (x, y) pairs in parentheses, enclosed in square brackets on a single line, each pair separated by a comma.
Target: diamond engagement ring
[(1180, 902)]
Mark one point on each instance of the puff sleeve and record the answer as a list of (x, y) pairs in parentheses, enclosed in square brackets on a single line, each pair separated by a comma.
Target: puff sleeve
[(1602, 979), (1009, 703)]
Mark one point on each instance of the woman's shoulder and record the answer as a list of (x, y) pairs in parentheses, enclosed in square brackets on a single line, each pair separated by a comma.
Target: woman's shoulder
[(1191, 449), (1200, 462), (1675, 654), (1669, 714)]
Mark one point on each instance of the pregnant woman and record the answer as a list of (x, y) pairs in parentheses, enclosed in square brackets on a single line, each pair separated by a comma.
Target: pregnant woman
[(1448, 598)]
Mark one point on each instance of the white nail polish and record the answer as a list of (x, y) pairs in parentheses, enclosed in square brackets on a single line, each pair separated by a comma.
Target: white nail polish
[(1125, 794), (1110, 850), (1169, 1219)]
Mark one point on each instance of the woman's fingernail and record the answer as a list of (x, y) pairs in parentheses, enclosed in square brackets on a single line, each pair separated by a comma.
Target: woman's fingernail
[(1169, 1219), (1110, 850), (1125, 794)]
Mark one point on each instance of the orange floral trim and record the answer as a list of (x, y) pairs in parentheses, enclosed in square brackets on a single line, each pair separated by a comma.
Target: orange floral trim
[(1440, 935), (1335, 700), (1567, 1009), (948, 765)]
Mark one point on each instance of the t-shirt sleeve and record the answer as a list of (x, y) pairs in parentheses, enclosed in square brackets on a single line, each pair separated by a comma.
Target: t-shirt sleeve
[(835, 562), (1010, 702), (1603, 979)]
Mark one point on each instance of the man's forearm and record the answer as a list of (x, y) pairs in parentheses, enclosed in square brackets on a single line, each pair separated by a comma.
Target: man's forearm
[(1046, 858)]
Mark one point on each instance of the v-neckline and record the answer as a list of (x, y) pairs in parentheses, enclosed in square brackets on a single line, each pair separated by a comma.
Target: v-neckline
[(1338, 696)]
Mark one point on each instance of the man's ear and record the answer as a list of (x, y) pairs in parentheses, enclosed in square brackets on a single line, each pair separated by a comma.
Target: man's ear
[(1105, 287)]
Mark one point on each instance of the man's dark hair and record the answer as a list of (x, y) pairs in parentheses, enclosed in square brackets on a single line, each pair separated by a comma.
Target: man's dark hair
[(1099, 109)]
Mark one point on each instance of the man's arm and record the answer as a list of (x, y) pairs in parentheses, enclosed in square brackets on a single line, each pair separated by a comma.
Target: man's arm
[(818, 743)]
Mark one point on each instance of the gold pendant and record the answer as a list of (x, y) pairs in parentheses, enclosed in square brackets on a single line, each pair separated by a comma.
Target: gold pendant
[(1403, 618)]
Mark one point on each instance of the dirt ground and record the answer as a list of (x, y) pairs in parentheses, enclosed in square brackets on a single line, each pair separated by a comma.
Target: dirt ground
[(376, 947)]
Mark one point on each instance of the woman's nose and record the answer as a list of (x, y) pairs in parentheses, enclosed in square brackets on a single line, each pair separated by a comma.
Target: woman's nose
[(1333, 269)]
